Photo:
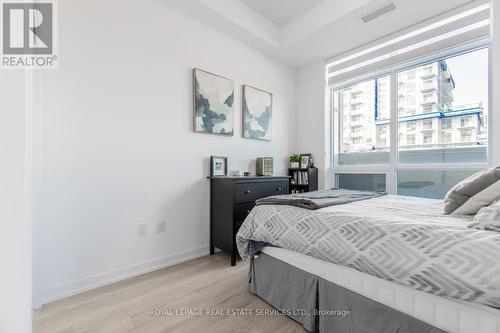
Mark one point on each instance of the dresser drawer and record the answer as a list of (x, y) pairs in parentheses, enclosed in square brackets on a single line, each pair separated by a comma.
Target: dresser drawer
[(246, 192), (242, 210), (231, 200)]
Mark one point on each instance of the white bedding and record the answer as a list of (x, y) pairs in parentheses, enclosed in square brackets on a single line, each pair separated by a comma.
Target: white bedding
[(451, 315), (402, 239), (399, 206)]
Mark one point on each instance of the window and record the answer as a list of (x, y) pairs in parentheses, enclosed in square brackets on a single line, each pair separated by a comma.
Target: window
[(427, 138), (410, 75), (356, 95), (426, 70), (411, 139), (407, 111), (410, 112), (382, 130), (356, 141), (461, 98), (428, 98), (372, 118), (446, 123), (430, 184), (362, 182), (465, 121), (466, 136), (424, 103), (462, 90), (428, 109), (445, 137), (428, 84), (427, 124), (356, 119)]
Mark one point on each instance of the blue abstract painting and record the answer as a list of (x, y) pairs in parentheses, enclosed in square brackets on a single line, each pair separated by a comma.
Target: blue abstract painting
[(257, 113), (213, 103)]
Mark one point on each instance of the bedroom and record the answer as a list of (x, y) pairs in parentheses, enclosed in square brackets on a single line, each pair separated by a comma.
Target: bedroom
[(103, 232)]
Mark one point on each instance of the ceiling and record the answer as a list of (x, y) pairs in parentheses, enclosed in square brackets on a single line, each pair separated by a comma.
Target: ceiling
[(299, 32), (281, 12)]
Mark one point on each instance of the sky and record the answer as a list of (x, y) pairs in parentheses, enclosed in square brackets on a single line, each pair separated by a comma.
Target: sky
[(470, 72)]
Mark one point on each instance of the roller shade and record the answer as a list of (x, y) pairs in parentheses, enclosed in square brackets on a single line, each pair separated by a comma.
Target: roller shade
[(461, 26)]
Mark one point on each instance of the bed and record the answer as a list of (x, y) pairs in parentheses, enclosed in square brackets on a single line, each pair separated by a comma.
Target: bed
[(395, 263)]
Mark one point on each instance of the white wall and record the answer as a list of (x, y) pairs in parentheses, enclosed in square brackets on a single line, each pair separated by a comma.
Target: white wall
[(116, 140), (313, 119), (15, 242)]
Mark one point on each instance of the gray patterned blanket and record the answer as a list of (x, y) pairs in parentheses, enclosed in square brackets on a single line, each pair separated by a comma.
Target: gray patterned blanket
[(402, 239), (319, 199)]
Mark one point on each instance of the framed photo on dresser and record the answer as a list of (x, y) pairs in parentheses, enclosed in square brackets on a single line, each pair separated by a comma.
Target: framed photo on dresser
[(218, 166), (305, 161)]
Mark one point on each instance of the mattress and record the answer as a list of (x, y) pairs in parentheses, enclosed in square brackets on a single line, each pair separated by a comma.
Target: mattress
[(406, 240), (451, 315)]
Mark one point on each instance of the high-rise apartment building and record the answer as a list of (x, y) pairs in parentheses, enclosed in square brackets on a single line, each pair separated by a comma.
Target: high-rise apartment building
[(426, 116)]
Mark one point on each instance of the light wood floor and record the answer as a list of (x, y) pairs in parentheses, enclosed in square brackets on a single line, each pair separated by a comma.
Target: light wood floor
[(208, 282)]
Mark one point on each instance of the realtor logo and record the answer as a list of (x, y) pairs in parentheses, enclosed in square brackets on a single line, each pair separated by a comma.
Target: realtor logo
[(28, 34)]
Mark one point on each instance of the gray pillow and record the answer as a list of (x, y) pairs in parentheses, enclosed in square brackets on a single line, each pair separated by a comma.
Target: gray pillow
[(480, 200), (469, 187)]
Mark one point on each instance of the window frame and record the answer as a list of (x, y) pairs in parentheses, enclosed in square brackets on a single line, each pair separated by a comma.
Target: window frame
[(392, 168), (448, 122), (414, 139), (426, 122)]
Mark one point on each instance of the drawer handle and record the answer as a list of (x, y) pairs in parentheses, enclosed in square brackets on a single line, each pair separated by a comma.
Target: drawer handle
[(278, 189), (248, 192)]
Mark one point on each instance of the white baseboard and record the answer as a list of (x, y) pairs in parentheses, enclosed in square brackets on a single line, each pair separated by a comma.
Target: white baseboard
[(86, 284)]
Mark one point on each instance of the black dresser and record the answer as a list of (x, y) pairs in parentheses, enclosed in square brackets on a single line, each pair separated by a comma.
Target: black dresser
[(231, 200)]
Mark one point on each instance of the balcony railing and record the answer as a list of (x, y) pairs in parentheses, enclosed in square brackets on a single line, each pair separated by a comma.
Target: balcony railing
[(467, 125), (428, 87), (427, 72), (357, 100), (427, 101)]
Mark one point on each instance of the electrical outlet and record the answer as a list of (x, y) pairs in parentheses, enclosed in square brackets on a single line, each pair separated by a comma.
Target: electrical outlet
[(142, 230), (160, 227)]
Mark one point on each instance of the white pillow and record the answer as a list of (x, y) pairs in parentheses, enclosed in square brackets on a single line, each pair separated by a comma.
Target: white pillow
[(479, 200), (488, 217)]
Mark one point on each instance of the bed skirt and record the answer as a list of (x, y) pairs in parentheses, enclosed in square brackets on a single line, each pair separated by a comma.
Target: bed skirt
[(322, 306)]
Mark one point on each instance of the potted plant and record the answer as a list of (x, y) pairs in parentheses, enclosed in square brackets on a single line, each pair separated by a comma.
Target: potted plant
[(294, 161)]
